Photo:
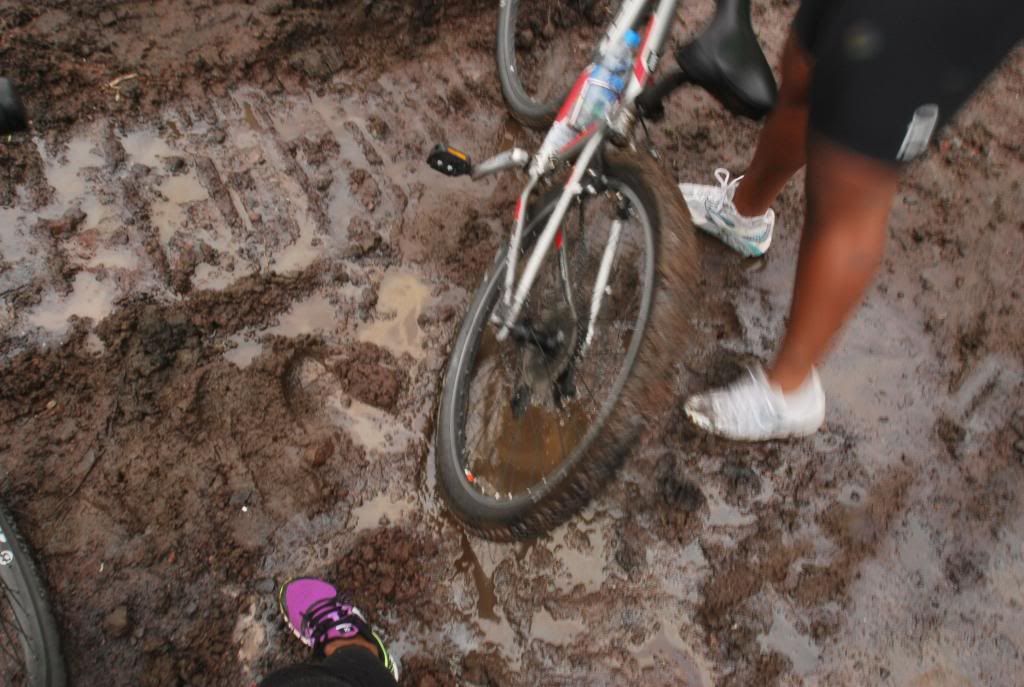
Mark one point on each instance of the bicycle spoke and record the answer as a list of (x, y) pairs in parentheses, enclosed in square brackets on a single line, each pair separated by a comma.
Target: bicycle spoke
[(6, 610), (532, 403)]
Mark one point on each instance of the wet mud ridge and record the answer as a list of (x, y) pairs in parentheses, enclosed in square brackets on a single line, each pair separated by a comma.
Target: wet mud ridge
[(227, 289)]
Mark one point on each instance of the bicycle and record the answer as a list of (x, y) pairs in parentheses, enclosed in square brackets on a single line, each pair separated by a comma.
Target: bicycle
[(531, 423), (29, 642)]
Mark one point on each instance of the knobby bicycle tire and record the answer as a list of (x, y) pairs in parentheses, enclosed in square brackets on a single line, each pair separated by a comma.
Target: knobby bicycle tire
[(525, 108), (646, 392), (535, 110), (27, 598)]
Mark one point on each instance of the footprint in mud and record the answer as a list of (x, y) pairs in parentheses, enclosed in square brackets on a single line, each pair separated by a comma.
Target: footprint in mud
[(401, 298)]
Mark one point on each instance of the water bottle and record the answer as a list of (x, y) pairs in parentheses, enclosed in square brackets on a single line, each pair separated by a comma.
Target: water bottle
[(605, 82)]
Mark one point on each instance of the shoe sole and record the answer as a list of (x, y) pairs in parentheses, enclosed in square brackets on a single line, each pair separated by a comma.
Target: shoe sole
[(705, 424)]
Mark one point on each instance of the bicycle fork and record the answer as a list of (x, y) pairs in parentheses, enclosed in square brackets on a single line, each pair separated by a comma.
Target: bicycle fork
[(454, 163)]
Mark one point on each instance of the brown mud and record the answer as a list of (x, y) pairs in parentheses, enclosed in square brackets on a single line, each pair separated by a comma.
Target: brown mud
[(228, 286)]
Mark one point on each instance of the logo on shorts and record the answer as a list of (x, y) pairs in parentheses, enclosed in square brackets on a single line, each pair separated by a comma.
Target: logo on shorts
[(919, 132)]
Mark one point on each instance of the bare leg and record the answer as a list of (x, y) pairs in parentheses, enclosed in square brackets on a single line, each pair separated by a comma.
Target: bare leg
[(848, 202), (782, 144)]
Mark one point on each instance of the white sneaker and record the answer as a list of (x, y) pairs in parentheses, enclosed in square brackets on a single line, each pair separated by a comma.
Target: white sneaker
[(751, 409), (712, 210)]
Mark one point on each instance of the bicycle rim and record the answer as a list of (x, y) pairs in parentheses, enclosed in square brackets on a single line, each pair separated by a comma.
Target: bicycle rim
[(529, 414)]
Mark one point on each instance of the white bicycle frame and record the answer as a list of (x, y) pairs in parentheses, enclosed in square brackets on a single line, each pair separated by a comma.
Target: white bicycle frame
[(619, 123)]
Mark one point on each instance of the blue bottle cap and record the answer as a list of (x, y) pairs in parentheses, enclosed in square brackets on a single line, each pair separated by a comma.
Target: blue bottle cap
[(632, 39), (616, 83)]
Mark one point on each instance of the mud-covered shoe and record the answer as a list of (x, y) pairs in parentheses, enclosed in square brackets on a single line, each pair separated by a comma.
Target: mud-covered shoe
[(318, 614), (712, 210), (751, 409)]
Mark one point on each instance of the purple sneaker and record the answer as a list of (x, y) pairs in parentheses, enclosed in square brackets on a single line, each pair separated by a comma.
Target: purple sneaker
[(318, 614)]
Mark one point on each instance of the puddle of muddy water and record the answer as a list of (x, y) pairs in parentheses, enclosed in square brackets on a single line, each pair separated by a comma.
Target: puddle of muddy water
[(111, 258), (666, 652), (372, 428), (544, 627), (89, 297), (168, 216), (487, 600), (784, 638), (723, 514), (369, 515), (405, 296), (65, 174), (308, 316), (245, 349), (584, 568), (147, 147), (14, 244)]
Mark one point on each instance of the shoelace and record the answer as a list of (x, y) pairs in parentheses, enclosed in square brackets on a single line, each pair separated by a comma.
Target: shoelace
[(727, 190), (332, 614)]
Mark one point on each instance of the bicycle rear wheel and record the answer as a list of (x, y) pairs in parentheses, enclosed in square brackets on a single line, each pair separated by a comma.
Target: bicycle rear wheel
[(542, 47), (527, 433), (29, 643)]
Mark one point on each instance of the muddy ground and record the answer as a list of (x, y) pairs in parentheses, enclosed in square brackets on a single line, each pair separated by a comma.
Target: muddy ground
[(228, 286)]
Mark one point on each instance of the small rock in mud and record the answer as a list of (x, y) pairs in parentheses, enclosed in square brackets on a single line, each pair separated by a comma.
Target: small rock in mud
[(740, 478), (364, 188), (175, 164), (630, 553), (216, 136), (379, 129), (677, 489), (318, 455), (950, 434), (64, 225), (965, 569), (113, 152), (266, 586), (117, 624), (368, 301), (1018, 423), (362, 239)]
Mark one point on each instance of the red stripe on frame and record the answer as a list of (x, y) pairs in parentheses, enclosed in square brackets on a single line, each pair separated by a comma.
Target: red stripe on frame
[(640, 65), (580, 136), (574, 94)]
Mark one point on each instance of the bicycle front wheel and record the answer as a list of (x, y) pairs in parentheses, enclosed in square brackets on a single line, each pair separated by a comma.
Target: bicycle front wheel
[(29, 644), (542, 47), (530, 428)]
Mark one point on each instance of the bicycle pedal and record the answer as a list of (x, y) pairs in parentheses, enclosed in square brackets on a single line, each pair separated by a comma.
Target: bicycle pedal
[(449, 161)]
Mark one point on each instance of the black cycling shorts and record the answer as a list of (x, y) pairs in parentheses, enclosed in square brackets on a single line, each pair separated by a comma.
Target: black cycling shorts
[(889, 73)]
